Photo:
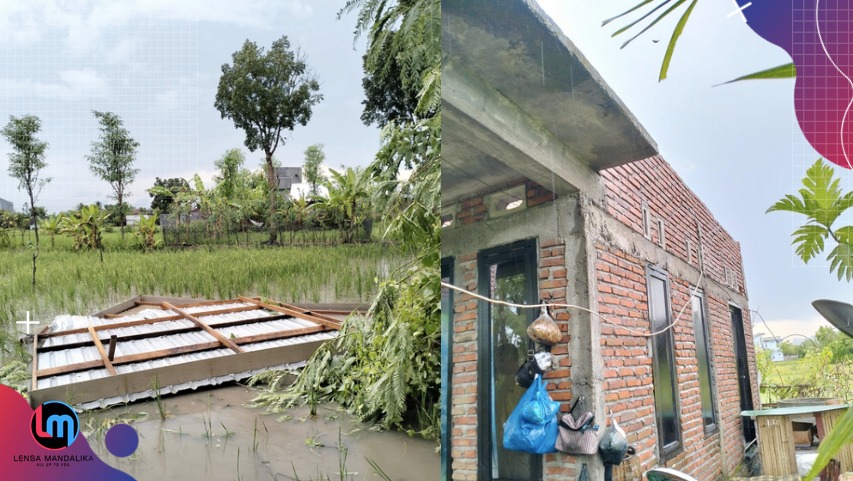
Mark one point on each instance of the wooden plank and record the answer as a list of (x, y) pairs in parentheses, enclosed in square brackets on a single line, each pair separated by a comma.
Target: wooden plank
[(155, 320), (271, 336), (310, 313), (827, 421), (198, 322), (776, 445), (35, 385), (102, 352), (325, 321), (136, 382), (177, 351), (167, 332)]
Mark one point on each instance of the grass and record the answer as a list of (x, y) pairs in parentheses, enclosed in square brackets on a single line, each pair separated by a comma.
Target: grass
[(787, 373), (71, 282)]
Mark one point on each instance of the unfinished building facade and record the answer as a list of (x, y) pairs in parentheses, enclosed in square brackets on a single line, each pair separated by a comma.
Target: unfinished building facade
[(552, 190)]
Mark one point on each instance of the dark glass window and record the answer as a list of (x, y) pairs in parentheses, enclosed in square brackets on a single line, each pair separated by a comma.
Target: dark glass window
[(665, 376), (703, 356), (509, 274)]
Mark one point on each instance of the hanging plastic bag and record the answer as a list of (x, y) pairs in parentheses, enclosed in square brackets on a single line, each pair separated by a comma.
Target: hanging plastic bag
[(544, 330), (532, 426), (612, 447)]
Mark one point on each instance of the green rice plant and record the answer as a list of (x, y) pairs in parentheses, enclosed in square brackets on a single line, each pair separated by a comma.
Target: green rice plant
[(78, 283), (155, 385)]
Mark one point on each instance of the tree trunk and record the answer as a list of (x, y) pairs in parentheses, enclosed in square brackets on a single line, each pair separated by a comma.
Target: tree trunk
[(34, 220), (120, 195), (273, 186)]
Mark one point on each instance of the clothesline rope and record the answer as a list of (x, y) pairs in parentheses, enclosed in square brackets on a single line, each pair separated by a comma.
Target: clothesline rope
[(604, 319)]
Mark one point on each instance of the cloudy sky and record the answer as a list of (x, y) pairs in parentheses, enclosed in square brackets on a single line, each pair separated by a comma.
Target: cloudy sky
[(156, 63), (737, 146)]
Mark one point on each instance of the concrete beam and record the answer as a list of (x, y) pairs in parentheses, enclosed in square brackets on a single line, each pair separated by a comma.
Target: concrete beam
[(517, 138)]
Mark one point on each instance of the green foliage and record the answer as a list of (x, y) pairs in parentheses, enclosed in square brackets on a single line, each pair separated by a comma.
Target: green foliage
[(658, 4), (348, 204), (763, 362), (386, 367), (314, 158), (382, 366), (85, 227), (840, 344), (164, 201), (787, 70), (26, 161), (50, 226), (146, 231), (790, 349), (822, 202), (267, 94), (112, 158), (228, 180)]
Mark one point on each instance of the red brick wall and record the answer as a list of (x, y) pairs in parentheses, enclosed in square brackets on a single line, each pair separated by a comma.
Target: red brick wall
[(654, 182), (622, 293), (620, 288)]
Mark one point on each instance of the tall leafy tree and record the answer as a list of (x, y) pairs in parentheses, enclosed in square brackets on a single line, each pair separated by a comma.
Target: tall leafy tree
[(229, 171), (314, 158), (267, 94), (392, 362), (26, 161), (112, 158), (163, 203)]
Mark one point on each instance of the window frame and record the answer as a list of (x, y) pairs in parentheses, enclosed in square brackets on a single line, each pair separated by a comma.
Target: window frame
[(665, 452), (714, 427)]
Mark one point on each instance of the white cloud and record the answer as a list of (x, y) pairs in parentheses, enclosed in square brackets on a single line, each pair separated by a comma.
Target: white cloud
[(86, 23), (788, 327), (72, 84)]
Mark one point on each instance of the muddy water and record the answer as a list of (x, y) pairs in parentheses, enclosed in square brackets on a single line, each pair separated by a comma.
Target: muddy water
[(245, 444)]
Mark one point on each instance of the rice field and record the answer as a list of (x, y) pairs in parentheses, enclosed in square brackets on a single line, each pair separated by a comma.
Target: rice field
[(78, 283)]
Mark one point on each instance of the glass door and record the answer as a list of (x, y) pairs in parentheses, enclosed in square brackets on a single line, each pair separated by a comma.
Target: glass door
[(508, 274)]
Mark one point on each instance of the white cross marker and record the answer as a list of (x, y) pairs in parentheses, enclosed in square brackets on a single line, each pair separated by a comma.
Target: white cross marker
[(739, 10), (28, 322)]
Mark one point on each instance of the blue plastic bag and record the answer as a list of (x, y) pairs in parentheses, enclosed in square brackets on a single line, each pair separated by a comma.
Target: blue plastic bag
[(532, 426)]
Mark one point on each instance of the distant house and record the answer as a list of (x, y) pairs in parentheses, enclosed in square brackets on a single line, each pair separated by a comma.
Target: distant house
[(769, 344), (287, 177), (7, 206)]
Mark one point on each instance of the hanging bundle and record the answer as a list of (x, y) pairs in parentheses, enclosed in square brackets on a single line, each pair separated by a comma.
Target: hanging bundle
[(532, 426), (612, 447), (544, 330)]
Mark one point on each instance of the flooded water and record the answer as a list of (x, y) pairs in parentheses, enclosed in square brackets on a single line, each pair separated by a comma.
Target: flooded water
[(211, 435)]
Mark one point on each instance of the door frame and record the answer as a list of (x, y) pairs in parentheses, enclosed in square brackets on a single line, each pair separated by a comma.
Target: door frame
[(527, 250), (742, 366)]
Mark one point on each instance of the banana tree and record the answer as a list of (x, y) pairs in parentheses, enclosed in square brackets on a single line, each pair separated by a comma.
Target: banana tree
[(50, 226), (348, 203)]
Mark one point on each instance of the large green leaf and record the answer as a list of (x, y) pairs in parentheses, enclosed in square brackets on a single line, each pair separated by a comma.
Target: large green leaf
[(781, 72), (670, 49), (626, 12), (809, 240), (647, 15), (841, 260), (834, 441)]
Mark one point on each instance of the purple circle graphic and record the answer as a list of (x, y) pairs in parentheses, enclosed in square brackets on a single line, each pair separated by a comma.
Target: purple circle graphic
[(121, 440)]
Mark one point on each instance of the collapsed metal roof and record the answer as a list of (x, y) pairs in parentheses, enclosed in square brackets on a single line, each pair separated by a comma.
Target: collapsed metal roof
[(151, 346)]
